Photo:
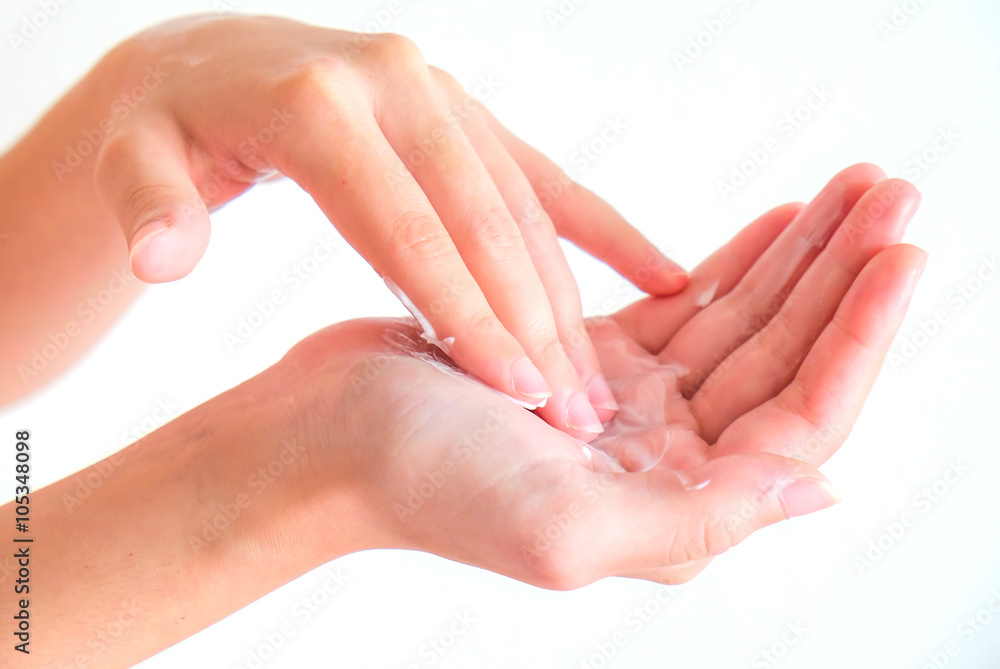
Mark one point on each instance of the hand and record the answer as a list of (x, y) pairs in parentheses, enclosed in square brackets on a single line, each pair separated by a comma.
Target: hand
[(458, 216), (364, 436), (731, 394)]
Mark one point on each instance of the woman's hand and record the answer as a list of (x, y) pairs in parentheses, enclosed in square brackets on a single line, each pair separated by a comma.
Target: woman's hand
[(458, 216), (731, 394), (365, 436)]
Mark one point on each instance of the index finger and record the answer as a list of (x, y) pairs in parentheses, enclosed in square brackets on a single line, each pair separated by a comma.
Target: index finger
[(383, 213)]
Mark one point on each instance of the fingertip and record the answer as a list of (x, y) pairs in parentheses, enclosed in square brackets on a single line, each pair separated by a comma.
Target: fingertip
[(782, 215), (905, 260), (152, 254), (529, 383), (163, 250), (489, 353), (581, 416), (146, 234), (902, 187), (601, 398), (661, 276), (908, 263), (914, 257), (667, 283), (864, 172), (807, 495)]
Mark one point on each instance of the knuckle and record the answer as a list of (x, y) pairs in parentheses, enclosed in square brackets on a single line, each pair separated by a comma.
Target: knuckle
[(451, 86), (544, 339), (143, 202), (778, 339), (532, 220), (419, 237), (395, 49), (494, 229), (483, 327), (114, 150), (558, 566), (313, 87), (717, 536), (550, 571)]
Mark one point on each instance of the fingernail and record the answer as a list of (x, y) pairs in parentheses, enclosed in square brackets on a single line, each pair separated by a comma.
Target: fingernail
[(909, 209), (580, 415), (679, 280), (528, 381), (600, 395), (144, 235), (806, 496), (670, 277), (918, 271)]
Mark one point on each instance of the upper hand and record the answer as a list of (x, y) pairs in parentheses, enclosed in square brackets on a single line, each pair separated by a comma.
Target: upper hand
[(458, 216)]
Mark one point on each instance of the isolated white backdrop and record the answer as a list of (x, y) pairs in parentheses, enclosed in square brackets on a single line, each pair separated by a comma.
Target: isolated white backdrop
[(891, 96)]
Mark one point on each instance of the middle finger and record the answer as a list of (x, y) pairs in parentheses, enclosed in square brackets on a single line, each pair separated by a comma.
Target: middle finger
[(722, 327), (422, 126)]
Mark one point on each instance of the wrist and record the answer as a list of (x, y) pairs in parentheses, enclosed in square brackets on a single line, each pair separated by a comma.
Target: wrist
[(328, 402), (326, 411), (219, 502), (271, 488)]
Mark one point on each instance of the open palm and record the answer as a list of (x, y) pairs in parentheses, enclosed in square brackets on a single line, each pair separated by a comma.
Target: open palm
[(730, 394), (779, 336)]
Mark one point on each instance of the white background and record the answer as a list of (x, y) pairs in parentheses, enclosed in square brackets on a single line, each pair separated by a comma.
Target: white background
[(686, 129)]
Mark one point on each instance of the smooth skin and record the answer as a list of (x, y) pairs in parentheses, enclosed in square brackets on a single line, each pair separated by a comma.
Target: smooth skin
[(443, 202), (508, 492)]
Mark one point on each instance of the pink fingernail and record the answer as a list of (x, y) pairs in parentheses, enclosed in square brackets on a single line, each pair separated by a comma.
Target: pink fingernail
[(680, 275), (807, 496), (918, 271), (144, 235), (580, 415), (528, 381), (600, 395), (909, 209)]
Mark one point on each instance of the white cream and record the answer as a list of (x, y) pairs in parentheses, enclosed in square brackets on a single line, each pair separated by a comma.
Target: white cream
[(706, 296), (428, 335)]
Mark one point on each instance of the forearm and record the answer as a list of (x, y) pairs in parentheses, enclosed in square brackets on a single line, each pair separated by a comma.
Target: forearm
[(186, 526), (64, 271)]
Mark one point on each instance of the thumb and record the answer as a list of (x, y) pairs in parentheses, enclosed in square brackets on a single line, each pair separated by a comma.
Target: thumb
[(142, 172), (694, 515)]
